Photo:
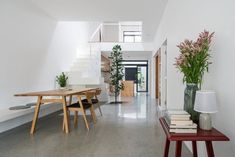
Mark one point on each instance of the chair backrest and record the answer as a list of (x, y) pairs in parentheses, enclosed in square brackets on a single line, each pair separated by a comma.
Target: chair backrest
[(89, 96), (98, 91)]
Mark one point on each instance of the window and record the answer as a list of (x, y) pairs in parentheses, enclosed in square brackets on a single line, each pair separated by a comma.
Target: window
[(132, 36)]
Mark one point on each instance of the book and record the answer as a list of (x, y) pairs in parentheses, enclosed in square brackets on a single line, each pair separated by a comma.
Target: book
[(178, 113), (171, 126), (194, 126), (177, 122), (181, 122), (183, 130), (185, 124), (179, 118)]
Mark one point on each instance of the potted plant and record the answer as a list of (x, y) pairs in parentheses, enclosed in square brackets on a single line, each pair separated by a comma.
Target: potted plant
[(193, 62), (62, 80), (116, 71)]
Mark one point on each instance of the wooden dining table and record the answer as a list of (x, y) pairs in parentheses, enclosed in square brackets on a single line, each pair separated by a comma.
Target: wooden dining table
[(54, 96)]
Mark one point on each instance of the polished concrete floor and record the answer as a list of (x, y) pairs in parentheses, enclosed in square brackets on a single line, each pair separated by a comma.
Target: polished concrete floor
[(130, 129)]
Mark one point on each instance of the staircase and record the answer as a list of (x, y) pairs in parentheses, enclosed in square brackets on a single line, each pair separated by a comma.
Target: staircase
[(86, 69)]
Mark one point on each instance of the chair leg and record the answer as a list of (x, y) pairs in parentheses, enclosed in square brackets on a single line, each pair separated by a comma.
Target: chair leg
[(85, 120), (100, 109), (93, 114), (68, 118), (75, 118)]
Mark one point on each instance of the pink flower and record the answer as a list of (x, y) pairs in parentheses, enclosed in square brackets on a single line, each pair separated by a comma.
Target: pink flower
[(190, 52)]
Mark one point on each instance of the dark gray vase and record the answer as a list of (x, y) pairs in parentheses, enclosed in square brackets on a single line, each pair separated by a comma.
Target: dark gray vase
[(189, 99)]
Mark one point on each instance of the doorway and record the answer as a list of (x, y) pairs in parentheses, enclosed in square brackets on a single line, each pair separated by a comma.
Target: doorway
[(157, 74), (161, 74), (142, 78), (137, 71)]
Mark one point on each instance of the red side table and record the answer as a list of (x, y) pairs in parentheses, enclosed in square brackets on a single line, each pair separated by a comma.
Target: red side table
[(201, 135)]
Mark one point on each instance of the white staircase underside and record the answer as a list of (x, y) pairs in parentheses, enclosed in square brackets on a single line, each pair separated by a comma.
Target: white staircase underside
[(86, 69)]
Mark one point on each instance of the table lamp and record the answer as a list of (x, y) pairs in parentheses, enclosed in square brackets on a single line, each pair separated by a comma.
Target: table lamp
[(205, 102)]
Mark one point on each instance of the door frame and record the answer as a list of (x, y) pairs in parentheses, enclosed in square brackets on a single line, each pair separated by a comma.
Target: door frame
[(161, 75), (157, 76), (147, 72)]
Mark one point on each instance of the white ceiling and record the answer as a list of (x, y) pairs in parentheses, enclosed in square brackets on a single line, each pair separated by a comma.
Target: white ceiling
[(147, 11)]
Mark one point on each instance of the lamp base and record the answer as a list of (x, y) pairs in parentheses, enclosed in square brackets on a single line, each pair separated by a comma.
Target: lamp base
[(205, 121)]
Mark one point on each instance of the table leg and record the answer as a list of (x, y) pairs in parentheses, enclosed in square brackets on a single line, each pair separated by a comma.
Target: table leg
[(209, 148), (178, 148), (194, 146), (66, 122), (69, 103), (35, 118), (167, 145)]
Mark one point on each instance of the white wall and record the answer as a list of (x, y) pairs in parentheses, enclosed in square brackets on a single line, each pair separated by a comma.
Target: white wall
[(110, 32), (185, 19), (34, 49), (70, 43), (25, 36)]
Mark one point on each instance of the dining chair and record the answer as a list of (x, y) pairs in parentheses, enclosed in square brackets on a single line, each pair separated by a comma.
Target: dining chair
[(95, 99), (81, 106)]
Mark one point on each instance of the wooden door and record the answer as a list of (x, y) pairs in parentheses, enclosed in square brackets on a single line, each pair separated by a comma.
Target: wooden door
[(159, 77), (156, 77)]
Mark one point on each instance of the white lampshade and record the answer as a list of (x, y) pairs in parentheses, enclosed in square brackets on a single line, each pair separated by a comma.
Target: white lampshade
[(205, 102)]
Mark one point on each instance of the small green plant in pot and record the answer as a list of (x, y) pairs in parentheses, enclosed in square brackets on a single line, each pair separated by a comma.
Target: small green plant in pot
[(62, 80)]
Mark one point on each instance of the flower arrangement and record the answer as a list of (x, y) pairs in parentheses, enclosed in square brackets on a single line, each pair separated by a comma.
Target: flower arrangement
[(194, 57)]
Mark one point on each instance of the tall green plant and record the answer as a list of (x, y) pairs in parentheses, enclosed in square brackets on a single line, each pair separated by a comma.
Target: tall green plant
[(116, 70), (62, 79), (194, 57)]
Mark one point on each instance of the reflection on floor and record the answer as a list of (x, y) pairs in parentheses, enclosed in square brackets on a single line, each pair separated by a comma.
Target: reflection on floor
[(138, 111), (130, 129)]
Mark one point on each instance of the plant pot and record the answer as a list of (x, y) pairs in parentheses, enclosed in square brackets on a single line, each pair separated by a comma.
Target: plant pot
[(189, 99), (62, 88)]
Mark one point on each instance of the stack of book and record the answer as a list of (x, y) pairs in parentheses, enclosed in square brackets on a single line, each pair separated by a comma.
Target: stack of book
[(179, 122)]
